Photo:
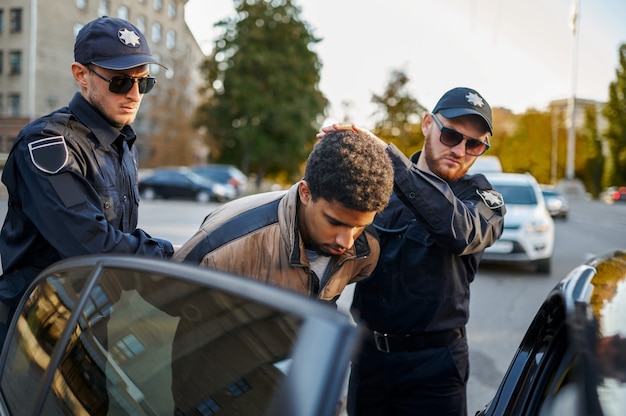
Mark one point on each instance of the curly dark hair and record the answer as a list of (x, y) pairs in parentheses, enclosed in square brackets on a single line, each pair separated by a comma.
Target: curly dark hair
[(351, 168)]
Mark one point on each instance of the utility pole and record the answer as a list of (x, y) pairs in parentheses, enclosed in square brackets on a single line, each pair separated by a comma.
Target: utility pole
[(571, 105)]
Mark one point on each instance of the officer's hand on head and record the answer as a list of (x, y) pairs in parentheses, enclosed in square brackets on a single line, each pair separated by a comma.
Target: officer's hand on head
[(349, 126)]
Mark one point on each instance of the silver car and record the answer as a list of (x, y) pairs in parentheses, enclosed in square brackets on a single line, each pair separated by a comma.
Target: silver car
[(529, 232)]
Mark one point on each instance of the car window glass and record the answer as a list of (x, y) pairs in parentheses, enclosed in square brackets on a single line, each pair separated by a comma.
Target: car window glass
[(146, 345), (517, 194), (36, 336)]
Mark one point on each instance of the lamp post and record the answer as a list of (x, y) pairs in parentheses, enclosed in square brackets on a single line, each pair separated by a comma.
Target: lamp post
[(571, 105)]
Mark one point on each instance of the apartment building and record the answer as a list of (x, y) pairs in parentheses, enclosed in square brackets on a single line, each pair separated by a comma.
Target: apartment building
[(36, 52)]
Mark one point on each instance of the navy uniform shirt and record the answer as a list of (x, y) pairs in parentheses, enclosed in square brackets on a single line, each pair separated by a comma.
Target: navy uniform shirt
[(432, 237), (72, 183)]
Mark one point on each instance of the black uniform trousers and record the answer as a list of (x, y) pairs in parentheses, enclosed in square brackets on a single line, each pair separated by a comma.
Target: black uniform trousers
[(430, 381)]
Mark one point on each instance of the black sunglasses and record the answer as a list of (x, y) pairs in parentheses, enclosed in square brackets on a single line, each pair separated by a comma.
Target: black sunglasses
[(121, 85), (451, 138)]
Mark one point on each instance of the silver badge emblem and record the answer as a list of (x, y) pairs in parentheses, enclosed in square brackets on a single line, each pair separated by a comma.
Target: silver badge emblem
[(475, 99), (492, 198), (128, 38)]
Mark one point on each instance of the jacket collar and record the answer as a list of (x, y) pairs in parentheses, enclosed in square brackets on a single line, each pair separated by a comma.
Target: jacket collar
[(104, 132)]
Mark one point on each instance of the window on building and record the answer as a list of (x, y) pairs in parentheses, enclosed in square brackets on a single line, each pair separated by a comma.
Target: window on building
[(81, 4), (238, 388), (16, 20), (1, 20), (170, 39), (154, 68), (156, 32), (158, 5), (1, 104), (15, 62), (171, 10), (103, 8), (208, 407), (122, 12), (1, 62), (14, 104), (130, 346), (141, 23), (77, 28)]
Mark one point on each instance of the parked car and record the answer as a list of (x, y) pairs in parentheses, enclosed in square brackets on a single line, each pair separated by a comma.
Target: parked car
[(614, 194), (93, 336), (572, 360), (227, 175), (485, 164), (529, 233), (557, 204), (181, 183)]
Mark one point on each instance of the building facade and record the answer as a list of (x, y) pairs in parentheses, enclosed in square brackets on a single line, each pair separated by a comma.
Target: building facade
[(36, 52)]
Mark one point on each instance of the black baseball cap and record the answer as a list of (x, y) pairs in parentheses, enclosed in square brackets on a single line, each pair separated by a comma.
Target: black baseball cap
[(463, 101), (112, 43)]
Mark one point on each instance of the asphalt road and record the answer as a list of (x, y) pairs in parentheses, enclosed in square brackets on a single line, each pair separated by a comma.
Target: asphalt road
[(504, 298)]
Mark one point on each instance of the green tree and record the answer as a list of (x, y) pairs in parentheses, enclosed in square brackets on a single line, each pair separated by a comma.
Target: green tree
[(401, 114), (591, 171), (261, 104), (615, 113)]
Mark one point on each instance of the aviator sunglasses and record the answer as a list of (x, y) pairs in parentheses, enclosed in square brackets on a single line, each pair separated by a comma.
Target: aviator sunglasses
[(121, 85), (451, 138)]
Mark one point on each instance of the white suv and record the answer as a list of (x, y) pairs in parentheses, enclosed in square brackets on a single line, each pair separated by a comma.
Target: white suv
[(528, 235)]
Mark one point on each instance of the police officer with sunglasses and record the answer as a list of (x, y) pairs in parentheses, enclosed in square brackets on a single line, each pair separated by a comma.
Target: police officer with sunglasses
[(414, 360), (71, 175)]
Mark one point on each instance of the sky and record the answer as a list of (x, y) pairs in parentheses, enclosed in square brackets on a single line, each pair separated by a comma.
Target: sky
[(517, 54)]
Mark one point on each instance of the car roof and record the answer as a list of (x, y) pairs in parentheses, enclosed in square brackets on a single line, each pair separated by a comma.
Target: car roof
[(510, 178), (485, 164)]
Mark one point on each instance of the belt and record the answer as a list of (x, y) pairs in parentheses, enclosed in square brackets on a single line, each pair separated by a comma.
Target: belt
[(415, 342)]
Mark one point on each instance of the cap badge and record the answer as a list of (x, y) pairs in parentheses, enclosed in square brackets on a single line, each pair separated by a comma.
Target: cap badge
[(128, 38), (474, 99)]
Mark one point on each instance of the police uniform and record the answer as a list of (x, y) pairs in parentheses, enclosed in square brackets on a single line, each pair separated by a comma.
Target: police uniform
[(72, 183), (72, 178), (416, 303)]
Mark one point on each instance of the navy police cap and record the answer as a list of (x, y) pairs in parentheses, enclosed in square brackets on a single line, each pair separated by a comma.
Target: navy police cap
[(463, 101), (112, 43)]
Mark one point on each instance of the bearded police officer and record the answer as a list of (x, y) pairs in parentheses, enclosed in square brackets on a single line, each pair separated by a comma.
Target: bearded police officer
[(433, 234)]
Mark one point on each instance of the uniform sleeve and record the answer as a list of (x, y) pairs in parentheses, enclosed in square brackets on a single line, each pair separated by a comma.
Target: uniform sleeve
[(456, 216), (67, 211)]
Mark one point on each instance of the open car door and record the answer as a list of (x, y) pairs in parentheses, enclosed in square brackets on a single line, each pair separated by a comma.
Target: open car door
[(124, 335)]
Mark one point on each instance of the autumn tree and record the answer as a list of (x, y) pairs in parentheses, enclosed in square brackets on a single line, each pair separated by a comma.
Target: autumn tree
[(400, 114), (173, 139), (615, 113), (261, 102), (528, 148)]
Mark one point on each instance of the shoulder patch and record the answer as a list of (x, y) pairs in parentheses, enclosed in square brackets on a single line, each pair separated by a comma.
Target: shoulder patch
[(492, 198), (50, 154)]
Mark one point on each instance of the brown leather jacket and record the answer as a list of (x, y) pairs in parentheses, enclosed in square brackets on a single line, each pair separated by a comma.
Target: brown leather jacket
[(257, 236)]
